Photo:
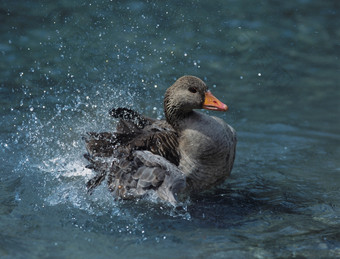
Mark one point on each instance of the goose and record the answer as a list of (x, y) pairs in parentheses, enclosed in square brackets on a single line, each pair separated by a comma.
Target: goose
[(187, 153)]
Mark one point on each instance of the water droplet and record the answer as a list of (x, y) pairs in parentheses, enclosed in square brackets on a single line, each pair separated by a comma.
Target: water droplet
[(185, 54), (259, 74), (21, 74), (156, 86)]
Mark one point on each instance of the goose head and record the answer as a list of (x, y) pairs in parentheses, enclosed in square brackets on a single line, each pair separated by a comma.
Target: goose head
[(186, 94)]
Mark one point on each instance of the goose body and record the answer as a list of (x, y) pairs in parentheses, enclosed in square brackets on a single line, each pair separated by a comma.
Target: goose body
[(187, 153), (207, 152)]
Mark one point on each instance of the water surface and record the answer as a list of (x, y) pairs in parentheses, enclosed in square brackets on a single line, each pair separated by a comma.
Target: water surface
[(64, 64)]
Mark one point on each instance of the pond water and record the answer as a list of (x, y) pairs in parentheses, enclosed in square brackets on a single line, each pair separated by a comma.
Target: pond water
[(65, 63)]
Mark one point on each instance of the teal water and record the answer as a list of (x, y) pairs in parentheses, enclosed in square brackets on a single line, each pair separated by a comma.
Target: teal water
[(64, 64)]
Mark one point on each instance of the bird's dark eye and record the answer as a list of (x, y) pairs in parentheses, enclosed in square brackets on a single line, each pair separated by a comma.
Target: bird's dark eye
[(193, 89)]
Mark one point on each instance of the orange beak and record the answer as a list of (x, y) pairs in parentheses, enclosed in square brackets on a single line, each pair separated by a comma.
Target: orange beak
[(212, 103)]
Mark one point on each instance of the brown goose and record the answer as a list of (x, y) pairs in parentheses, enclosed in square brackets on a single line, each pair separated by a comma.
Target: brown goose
[(187, 153)]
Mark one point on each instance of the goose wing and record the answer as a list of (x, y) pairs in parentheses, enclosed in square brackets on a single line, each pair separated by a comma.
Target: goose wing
[(134, 132), (142, 173)]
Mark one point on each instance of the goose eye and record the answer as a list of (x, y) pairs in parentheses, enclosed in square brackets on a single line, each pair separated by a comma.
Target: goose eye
[(193, 89)]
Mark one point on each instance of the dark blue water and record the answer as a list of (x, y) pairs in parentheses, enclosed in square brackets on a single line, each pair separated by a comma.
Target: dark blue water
[(64, 64)]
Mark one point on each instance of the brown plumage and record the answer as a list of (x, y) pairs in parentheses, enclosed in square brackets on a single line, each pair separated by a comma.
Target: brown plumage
[(187, 153)]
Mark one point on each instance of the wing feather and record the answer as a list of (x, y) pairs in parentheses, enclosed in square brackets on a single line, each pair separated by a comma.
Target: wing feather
[(116, 155)]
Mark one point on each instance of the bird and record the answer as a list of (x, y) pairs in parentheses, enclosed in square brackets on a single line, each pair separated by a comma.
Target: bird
[(184, 154)]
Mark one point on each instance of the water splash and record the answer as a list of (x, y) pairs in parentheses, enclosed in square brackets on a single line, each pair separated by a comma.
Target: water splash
[(52, 139)]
